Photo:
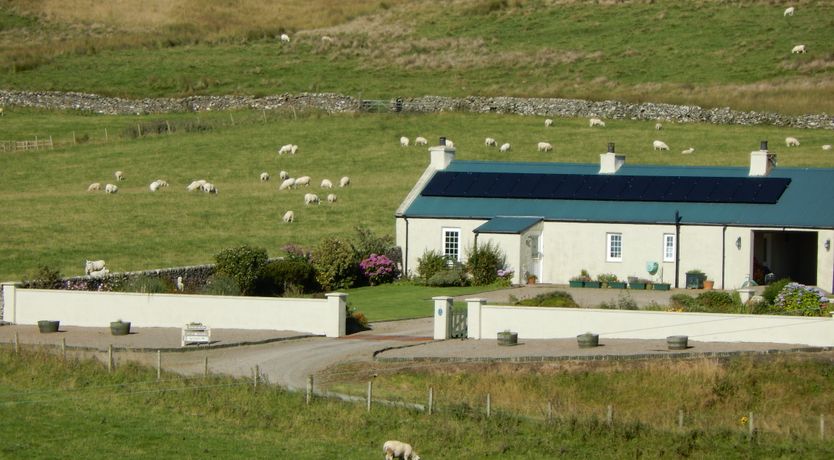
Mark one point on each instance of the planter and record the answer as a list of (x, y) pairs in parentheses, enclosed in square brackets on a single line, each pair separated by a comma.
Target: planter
[(617, 284), (708, 284), (576, 284), (695, 280), (531, 280), (47, 326), (592, 284), (120, 328), (677, 342), (638, 286), (507, 338), (662, 286), (587, 340)]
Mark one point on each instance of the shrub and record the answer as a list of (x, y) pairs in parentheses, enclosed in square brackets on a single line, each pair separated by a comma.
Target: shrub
[(243, 264), (483, 263), (295, 252), (773, 289), (336, 263), (430, 263), (378, 269), (685, 302), (355, 320), (623, 302), (45, 278), (505, 277), (550, 299), (716, 301), (286, 276), (221, 285), (146, 285), (452, 276), (799, 299), (606, 277), (368, 243)]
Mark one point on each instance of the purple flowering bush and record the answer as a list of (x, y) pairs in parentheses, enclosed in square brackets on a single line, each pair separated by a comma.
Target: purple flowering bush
[(798, 299), (505, 276), (379, 269)]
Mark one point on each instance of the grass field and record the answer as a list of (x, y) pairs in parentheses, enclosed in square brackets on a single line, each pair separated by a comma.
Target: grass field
[(49, 217), (709, 53), (403, 300)]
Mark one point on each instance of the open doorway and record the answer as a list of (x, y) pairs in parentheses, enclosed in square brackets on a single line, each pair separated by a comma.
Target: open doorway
[(785, 254)]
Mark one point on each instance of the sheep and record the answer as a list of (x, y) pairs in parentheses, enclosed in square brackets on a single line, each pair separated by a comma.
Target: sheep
[(325, 183), (285, 149), (596, 122), (688, 151), (93, 266), (94, 187), (287, 184), (99, 273), (154, 186), (162, 183), (208, 187), (303, 180), (331, 198), (326, 39), (659, 145), (826, 147), (658, 126), (420, 140), (180, 284), (195, 185), (798, 49), (344, 182), (264, 176), (504, 147), (449, 143), (490, 142), (285, 38), (403, 141), (119, 175), (548, 123), (397, 449), (110, 188), (791, 142), (310, 198), (289, 216), (284, 175), (789, 11), (544, 147), (293, 149)]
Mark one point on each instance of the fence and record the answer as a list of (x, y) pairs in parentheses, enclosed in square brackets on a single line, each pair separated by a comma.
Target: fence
[(37, 144)]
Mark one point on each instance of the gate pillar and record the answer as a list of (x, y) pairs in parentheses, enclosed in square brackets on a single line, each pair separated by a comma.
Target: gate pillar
[(442, 317)]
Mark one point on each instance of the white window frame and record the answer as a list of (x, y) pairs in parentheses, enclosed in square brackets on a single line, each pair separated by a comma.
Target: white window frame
[(669, 246), (444, 233), (609, 247)]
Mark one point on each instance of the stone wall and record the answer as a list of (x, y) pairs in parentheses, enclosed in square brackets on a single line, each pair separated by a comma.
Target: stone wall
[(336, 103)]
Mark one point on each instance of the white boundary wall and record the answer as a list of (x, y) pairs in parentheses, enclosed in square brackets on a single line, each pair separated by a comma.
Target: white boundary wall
[(556, 323), (98, 309)]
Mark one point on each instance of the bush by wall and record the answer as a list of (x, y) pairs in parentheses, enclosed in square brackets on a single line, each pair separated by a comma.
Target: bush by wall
[(242, 264), (336, 263), (483, 262), (429, 263), (295, 275)]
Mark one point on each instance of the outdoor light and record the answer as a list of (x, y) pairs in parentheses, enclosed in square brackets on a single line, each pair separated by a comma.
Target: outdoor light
[(738, 243), (827, 245)]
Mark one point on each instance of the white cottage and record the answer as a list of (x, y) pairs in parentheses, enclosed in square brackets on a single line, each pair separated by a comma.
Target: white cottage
[(555, 219)]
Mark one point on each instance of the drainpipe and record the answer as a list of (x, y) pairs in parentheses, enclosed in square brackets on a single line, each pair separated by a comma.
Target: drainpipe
[(723, 253), (677, 248), (405, 250)]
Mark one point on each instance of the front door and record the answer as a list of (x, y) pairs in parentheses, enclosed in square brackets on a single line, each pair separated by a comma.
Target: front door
[(534, 245)]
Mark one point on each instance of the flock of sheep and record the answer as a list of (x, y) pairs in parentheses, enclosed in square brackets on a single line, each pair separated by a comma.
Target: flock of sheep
[(797, 49)]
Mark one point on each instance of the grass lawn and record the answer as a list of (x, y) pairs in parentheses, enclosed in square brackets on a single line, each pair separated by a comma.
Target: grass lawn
[(404, 300)]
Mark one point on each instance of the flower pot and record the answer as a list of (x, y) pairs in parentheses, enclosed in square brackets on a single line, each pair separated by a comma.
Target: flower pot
[(708, 284), (531, 280), (507, 338), (617, 284), (695, 280), (677, 342), (592, 284), (639, 286), (588, 340), (120, 328), (47, 326), (662, 286), (576, 284)]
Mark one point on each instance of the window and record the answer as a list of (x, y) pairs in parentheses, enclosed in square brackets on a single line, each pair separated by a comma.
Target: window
[(614, 245), (668, 247), (451, 243)]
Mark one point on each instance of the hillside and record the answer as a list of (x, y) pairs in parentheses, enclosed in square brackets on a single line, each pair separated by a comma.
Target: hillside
[(708, 53)]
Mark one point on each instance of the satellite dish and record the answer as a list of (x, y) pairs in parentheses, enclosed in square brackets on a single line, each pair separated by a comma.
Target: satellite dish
[(652, 267)]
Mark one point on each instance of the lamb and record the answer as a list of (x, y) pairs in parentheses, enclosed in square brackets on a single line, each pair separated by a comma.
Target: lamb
[(289, 216), (420, 140), (303, 180), (285, 149), (110, 188), (94, 187), (331, 198), (195, 185), (99, 273), (285, 38), (490, 142), (658, 126), (660, 145), (264, 176), (287, 184), (798, 49), (93, 266), (154, 186), (688, 151), (789, 11), (180, 284), (310, 198), (596, 122), (826, 147), (403, 141), (545, 147), (344, 182), (504, 147), (119, 175), (208, 187), (449, 143), (284, 175), (293, 149), (791, 142), (325, 183), (397, 449), (548, 123)]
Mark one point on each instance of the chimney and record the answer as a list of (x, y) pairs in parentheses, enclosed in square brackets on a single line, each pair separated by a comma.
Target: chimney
[(610, 162), (762, 161), (441, 155)]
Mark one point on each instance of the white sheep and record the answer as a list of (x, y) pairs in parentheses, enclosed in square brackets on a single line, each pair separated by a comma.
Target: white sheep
[(93, 266), (331, 198), (344, 182), (94, 187), (659, 145), (285, 149), (548, 123), (180, 284), (596, 122), (284, 175), (287, 184), (195, 185), (490, 142), (303, 180), (293, 149), (264, 176), (325, 183), (310, 198), (162, 183), (154, 186), (504, 147), (208, 187), (397, 449), (658, 126), (798, 49), (110, 188), (99, 273), (285, 38), (420, 140), (544, 147), (688, 151), (326, 39), (289, 216), (403, 141), (449, 143), (826, 147), (789, 11), (119, 175), (791, 142)]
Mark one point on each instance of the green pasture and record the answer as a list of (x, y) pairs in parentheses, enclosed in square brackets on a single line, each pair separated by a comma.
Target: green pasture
[(50, 218)]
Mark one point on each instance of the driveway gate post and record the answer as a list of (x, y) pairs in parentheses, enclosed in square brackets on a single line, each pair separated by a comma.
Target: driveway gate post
[(442, 317)]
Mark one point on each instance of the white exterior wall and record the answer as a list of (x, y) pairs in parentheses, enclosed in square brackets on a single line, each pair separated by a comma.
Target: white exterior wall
[(825, 260), (98, 309), (511, 245), (427, 234)]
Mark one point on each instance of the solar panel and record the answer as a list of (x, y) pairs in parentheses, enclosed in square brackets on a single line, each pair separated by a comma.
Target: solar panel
[(685, 189)]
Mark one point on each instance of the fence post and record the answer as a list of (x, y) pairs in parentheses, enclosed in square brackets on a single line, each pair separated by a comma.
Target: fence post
[(309, 388), (370, 393), (16, 343), (106, 137), (158, 365), (205, 366), (822, 427), (168, 125), (255, 377), (37, 147), (64, 348), (140, 129), (680, 419), (431, 400), (74, 140), (51, 145), (609, 418), (263, 112), (488, 406), (110, 358), (233, 118), (750, 429), (550, 411)]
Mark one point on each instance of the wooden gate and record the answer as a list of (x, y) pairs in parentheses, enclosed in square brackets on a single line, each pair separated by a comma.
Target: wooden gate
[(459, 325)]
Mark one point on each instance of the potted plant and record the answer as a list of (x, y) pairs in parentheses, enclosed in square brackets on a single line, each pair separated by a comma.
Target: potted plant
[(610, 280), (662, 286), (695, 279), (677, 342), (709, 284), (531, 278), (579, 280), (48, 326), (507, 338), (638, 283), (120, 327), (587, 340)]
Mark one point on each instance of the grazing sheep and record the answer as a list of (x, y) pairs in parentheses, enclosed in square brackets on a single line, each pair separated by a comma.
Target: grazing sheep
[(326, 39), (180, 284), (162, 183), (344, 182), (798, 49), (504, 147), (490, 142), (285, 149), (94, 187), (325, 183), (119, 175), (789, 11), (403, 141), (99, 273), (285, 38), (420, 140), (660, 145), (293, 149), (449, 143), (195, 185), (289, 216), (397, 449), (208, 187), (284, 175), (596, 122), (264, 176), (658, 126), (548, 123), (287, 184), (544, 147), (154, 186), (93, 266), (331, 198), (303, 180), (110, 188), (826, 147), (688, 151), (310, 198), (791, 142)]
